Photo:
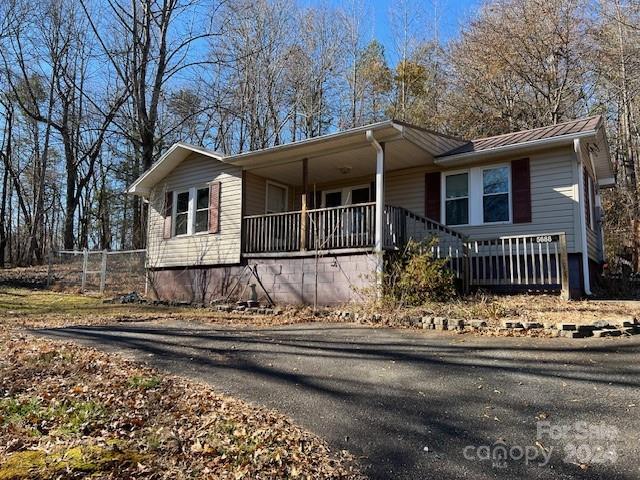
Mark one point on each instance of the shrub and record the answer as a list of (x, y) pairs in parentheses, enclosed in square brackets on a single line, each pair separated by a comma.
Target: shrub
[(415, 276)]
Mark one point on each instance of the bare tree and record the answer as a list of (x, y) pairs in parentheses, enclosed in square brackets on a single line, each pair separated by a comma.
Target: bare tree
[(522, 63), (147, 51)]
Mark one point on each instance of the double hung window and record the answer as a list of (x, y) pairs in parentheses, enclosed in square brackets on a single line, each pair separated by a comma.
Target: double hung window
[(478, 196)]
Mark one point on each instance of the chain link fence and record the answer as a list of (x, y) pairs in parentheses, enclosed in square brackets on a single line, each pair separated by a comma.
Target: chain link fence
[(101, 272)]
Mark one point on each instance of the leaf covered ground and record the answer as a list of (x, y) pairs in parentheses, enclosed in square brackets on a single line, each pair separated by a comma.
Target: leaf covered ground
[(68, 411)]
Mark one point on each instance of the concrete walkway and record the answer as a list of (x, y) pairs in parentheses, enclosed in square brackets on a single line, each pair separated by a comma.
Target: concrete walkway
[(415, 405)]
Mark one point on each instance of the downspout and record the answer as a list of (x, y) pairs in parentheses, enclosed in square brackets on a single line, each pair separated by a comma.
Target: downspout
[(583, 218), (379, 216)]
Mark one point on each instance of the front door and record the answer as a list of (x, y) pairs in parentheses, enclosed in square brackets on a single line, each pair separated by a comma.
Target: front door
[(348, 226), (333, 199), (345, 196), (359, 195)]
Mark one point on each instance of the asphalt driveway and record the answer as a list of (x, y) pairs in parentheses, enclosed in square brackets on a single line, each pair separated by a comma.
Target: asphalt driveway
[(415, 405)]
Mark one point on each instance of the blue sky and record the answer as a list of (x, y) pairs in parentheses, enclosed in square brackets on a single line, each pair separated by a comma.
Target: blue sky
[(451, 14)]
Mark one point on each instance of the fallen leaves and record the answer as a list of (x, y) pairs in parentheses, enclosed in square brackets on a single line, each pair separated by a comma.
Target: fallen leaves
[(68, 408)]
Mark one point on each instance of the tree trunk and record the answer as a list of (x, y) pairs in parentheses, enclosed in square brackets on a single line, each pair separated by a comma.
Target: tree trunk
[(68, 237), (7, 137), (3, 211)]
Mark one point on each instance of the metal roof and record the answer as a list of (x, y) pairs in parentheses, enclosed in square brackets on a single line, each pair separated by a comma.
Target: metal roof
[(572, 127)]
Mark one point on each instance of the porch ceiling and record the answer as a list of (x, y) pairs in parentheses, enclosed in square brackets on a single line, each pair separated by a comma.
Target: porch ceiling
[(355, 159)]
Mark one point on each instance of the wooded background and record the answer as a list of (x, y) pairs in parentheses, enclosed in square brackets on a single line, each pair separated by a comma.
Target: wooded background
[(92, 92)]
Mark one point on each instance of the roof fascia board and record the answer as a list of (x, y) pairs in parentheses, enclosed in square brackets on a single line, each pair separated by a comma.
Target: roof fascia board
[(135, 188), (605, 141), (461, 158), (432, 132), (242, 159), (251, 162)]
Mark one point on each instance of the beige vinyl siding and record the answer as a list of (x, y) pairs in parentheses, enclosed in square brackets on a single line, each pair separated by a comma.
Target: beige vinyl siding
[(256, 194), (553, 198), (255, 188), (202, 248)]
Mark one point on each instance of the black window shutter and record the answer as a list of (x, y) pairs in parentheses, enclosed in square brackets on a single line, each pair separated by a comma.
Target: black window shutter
[(432, 196), (521, 195)]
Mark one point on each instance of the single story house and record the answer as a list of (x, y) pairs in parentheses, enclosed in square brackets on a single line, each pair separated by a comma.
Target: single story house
[(315, 219)]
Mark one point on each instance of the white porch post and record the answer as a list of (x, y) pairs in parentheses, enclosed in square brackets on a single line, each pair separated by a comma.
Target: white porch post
[(303, 204), (379, 237)]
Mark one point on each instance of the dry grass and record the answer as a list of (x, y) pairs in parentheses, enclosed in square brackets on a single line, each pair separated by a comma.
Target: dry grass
[(21, 307), (534, 308), (41, 308), (68, 411)]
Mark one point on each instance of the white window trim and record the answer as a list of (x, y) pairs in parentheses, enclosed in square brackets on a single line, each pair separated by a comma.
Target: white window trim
[(509, 194), (266, 195), (323, 203), (195, 209), (475, 195), (191, 211), (443, 195), (347, 195), (174, 212)]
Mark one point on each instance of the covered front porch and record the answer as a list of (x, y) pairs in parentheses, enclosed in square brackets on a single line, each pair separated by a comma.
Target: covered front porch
[(329, 193), (345, 195)]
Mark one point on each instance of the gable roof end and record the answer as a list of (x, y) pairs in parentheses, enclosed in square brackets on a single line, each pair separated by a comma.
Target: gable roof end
[(167, 162)]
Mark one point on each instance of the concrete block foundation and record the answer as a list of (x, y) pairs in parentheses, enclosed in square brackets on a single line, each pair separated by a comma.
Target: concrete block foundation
[(335, 279)]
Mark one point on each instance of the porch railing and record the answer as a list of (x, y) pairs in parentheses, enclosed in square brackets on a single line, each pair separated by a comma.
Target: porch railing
[(274, 232), (351, 226), (404, 225), (537, 261)]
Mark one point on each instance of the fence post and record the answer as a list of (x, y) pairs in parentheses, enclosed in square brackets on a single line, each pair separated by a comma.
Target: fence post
[(564, 266), (103, 272), (85, 262)]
